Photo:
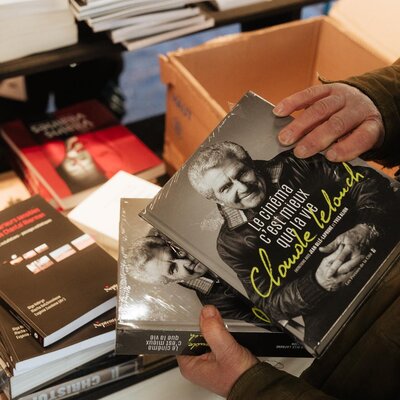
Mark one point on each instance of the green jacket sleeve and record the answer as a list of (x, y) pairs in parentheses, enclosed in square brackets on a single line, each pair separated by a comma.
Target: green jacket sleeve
[(266, 382), (382, 86)]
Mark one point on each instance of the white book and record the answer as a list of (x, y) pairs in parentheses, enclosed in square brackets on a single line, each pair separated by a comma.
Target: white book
[(149, 19), (36, 42), (30, 379), (83, 13), (224, 5), (27, 24), (132, 45), (104, 3), (105, 201), (18, 8), (130, 33), (128, 10)]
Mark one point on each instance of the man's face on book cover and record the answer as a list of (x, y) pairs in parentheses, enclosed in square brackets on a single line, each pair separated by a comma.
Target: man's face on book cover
[(167, 266), (235, 184), (78, 162)]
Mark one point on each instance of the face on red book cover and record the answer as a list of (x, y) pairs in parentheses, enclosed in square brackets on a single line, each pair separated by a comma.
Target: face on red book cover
[(77, 167)]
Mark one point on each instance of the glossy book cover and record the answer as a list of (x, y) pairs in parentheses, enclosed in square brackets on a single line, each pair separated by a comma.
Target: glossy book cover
[(161, 293), (305, 240)]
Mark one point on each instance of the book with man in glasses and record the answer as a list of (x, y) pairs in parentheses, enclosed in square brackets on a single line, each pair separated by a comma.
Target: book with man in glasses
[(162, 290)]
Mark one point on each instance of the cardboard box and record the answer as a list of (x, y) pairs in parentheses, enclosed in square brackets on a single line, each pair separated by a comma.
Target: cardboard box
[(203, 81)]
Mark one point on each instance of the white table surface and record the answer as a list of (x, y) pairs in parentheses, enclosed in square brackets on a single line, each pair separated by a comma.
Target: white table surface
[(171, 385)]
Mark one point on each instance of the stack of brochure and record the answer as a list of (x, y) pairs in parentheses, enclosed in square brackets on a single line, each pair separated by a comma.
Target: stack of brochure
[(137, 24)]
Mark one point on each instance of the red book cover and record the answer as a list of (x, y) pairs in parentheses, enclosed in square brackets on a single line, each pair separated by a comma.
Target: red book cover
[(77, 149)]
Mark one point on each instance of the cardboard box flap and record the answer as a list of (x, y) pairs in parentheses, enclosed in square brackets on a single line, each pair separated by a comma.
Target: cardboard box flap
[(373, 22)]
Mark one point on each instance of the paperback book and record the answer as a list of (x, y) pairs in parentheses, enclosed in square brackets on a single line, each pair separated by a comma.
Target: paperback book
[(25, 353), (53, 278), (305, 240), (106, 201), (16, 385), (89, 377), (76, 149), (161, 292)]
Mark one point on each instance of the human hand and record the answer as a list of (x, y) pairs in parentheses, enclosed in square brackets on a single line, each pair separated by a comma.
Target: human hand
[(335, 269), (337, 118), (216, 371)]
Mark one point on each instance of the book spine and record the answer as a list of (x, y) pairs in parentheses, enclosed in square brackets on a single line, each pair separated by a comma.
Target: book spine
[(33, 332), (173, 342), (88, 382)]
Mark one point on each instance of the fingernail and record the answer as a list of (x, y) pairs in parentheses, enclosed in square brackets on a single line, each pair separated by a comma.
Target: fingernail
[(331, 155), (301, 151), (208, 312), (286, 137), (278, 110)]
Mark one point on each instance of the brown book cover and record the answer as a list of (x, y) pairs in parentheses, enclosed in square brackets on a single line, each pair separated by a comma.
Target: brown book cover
[(53, 277)]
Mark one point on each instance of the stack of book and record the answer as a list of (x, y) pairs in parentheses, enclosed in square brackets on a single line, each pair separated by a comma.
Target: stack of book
[(273, 232), (139, 24), (66, 155), (57, 308), (33, 26)]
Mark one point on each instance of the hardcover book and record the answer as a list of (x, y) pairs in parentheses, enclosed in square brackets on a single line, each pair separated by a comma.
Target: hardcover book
[(305, 240), (77, 149), (159, 301), (53, 278)]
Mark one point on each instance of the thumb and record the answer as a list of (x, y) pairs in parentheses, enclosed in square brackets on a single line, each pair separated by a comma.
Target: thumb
[(214, 331)]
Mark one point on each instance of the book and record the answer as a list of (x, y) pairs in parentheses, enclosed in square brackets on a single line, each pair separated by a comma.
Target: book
[(106, 200), (138, 21), (24, 32), (16, 385), (304, 240), (78, 148), (10, 8), (158, 318), (47, 271), (88, 378), (136, 44), (224, 5), (178, 19), (25, 353), (12, 189), (115, 9)]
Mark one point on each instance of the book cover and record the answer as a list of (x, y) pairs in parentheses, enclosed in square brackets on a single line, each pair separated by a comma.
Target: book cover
[(305, 240), (12, 189), (77, 149), (161, 293), (16, 385), (25, 353), (87, 378), (53, 277), (106, 200)]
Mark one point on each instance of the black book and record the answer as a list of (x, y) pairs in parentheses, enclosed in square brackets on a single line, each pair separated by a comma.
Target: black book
[(25, 353), (159, 317), (305, 240), (53, 278)]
